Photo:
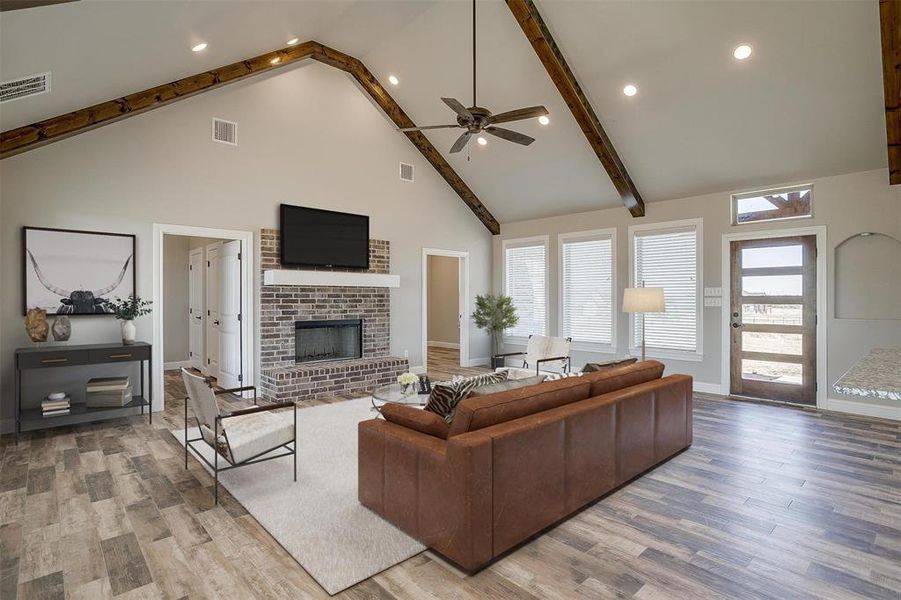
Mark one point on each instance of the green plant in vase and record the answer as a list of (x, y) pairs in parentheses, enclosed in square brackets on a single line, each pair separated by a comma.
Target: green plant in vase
[(494, 314), (127, 310)]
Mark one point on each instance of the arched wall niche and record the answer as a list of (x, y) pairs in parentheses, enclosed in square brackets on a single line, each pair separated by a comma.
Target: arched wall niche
[(868, 277)]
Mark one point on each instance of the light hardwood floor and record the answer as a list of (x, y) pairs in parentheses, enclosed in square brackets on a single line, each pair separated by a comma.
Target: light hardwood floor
[(769, 502)]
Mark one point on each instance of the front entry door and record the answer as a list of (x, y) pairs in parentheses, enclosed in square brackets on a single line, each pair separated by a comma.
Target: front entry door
[(230, 343), (773, 318)]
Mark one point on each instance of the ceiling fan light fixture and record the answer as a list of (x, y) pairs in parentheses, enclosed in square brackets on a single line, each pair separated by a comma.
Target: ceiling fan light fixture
[(482, 141), (544, 120), (393, 80), (630, 90)]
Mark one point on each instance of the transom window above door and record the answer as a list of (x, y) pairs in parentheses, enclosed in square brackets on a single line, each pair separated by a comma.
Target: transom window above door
[(772, 205)]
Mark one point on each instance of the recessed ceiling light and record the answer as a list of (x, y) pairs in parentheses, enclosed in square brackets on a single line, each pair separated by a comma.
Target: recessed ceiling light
[(482, 141), (293, 41), (393, 80), (275, 60), (630, 90), (199, 47), (742, 51), (543, 120)]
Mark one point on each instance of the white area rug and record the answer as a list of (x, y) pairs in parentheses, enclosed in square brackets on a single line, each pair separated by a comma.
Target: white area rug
[(318, 519)]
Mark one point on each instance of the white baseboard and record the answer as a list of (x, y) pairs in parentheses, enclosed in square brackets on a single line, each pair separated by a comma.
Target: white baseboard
[(177, 364), (478, 362), (707, 388), (865, 409), (444, 345)]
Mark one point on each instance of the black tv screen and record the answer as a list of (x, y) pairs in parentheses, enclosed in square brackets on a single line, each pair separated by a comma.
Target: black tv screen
[(324, 238)]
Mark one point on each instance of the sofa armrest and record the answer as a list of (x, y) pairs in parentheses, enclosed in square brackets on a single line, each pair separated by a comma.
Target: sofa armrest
[(416, 419)]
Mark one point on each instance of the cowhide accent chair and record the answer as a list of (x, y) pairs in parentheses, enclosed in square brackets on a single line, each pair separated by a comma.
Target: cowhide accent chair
[(241, 437)]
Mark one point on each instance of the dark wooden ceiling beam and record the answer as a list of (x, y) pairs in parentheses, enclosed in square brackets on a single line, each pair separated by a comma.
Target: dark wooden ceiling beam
[(535, 29), (29, 137), (6, 5), (890, 19)]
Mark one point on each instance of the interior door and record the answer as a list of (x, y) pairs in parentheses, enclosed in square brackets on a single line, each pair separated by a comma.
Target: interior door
[(230, 342), (773, 319), (212, 310), (195, 308)]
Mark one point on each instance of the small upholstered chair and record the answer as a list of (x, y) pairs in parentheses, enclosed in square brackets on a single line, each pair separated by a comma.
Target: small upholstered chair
[(241, 437), (543, 351)]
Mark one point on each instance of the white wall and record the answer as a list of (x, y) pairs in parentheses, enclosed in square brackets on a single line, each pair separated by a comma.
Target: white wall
[(175, 284), (306, 136), (444, 299), (845, 204)]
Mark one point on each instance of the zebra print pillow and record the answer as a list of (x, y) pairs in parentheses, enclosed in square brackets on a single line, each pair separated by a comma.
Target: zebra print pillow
[(445, 396)]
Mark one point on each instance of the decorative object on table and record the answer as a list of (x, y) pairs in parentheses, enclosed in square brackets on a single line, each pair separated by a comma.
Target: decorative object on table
[(56, 395), (61, 328), (643, 300), (494, 314), (107, 392), (74, 272), (594, 367), (425, 385), (127, 311), (54, 406), (406, 381), (36, 324), (542, 351)]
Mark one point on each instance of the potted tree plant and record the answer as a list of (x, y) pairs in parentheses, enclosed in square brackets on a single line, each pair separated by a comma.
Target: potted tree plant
[(494, 314), (127, 310)]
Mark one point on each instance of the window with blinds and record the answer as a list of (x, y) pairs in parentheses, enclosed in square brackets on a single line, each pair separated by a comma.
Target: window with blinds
[(668, 258), (586, 288), (525, 280)]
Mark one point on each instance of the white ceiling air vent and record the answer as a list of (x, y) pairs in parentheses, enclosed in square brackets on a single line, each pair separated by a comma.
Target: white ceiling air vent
[(225, 132), (406, 172), (24, 87)]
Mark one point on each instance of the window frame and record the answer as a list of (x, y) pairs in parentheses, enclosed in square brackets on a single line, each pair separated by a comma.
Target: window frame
[(525, 242), (733, 202), (698, 354), (589, 235)]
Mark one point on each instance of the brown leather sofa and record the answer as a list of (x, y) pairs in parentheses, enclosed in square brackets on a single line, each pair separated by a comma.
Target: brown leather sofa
[(513, 463)]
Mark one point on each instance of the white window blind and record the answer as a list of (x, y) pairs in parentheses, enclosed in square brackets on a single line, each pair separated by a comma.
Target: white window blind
[(525, 280), (587, 289), (668, 258)]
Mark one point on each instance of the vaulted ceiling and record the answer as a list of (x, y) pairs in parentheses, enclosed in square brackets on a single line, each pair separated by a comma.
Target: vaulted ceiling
[(808, 103)]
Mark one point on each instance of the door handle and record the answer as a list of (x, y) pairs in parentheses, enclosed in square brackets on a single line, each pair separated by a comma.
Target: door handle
[(736, 325), (215, 322), (199, 318)]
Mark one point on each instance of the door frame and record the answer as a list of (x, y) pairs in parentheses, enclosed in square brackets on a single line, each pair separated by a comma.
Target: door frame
[(463, 304), (248, 262), (207, 249), (203, 320), (819, 231)]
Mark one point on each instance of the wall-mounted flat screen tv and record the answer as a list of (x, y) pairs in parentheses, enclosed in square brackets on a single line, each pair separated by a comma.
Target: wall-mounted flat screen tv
[(323, 238)]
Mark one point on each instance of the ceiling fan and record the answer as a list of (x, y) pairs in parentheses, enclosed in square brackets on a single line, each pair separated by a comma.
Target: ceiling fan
[(477, 119)]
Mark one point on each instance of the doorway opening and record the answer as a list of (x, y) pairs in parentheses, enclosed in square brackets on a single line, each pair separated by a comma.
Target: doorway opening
[(445, 310), (771, 317), (203, 304)]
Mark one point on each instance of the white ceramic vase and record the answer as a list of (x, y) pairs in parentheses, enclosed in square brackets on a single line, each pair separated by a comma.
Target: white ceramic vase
[(128, 332)]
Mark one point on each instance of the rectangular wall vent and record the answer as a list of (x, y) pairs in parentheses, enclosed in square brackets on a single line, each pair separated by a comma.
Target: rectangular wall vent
[(406, 172), (24, 87), (225, 132)]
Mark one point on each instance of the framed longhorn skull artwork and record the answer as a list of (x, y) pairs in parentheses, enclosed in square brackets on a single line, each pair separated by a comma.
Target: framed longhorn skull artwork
[(76, 272)]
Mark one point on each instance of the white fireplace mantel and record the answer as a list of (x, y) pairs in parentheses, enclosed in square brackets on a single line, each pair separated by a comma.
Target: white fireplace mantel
[(330, 278)]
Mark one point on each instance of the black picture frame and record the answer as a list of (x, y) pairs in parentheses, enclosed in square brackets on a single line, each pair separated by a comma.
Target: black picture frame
[(29, 267)]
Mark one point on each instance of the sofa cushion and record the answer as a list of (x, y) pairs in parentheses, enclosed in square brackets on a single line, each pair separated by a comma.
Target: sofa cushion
[(484, 411), (415, 418), (445, 395), (503, 386), (610, 380), (594, 367)]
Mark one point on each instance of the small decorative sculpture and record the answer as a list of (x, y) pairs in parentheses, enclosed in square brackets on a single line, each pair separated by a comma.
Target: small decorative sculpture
[(36, 324), (61, 328)]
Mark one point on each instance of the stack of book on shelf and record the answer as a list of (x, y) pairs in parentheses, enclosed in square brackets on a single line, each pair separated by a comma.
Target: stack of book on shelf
[(55, 404), (108, 392)]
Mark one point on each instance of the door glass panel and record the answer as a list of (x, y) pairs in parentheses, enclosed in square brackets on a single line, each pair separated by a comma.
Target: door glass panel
[(772, 314), (771, 285), (773, 256), (771, 371), (779, 343)]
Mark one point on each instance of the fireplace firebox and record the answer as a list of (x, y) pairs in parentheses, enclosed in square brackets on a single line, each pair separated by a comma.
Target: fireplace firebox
[(334, 339)]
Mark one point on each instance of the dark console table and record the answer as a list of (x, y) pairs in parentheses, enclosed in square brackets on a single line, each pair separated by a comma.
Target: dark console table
[(48, 357)]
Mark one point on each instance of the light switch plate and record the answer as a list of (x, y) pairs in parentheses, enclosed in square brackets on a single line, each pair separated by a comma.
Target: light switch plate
[(713, 301), (713, 291)]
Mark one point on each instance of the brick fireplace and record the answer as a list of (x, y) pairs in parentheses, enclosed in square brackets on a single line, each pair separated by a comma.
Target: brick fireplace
[(287, 309)]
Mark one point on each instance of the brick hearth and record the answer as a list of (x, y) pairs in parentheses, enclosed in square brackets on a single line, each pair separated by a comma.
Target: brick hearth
[(281, 305)]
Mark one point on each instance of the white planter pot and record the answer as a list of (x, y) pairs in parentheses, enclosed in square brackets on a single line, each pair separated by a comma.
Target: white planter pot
[(128, 332)]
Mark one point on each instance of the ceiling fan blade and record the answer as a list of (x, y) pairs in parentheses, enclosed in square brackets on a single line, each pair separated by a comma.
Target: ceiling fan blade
[(429, 127), (461, 142), (518, 114), (458, 108), (510, 136)]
